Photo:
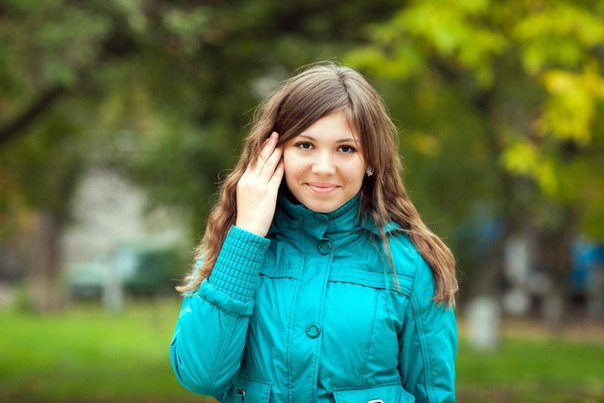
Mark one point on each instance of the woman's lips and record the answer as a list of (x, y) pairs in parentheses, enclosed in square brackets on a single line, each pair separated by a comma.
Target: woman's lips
[(321, 188)]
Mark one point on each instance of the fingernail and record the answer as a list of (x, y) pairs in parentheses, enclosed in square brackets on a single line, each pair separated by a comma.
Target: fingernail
[(274, 135)]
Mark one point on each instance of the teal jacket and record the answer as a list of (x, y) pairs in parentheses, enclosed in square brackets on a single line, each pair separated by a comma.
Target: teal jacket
[(312, 313)]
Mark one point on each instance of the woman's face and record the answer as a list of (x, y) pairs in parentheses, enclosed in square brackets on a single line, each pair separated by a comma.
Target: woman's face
[(323, 165)]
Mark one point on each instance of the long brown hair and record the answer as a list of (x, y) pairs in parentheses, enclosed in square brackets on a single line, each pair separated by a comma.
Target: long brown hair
[(313, 93)]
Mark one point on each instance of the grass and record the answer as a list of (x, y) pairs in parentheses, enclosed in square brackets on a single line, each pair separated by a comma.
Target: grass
[(532, 371), (87, 355)]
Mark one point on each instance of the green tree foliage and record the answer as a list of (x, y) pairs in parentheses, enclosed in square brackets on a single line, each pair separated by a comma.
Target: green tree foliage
[(531, 70), (503, 99)]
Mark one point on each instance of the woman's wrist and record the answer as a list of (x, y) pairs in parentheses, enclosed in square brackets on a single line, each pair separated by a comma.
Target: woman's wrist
[(253, 228)]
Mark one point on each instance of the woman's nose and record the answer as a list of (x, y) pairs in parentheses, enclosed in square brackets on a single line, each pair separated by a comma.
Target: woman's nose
[(323, 165)]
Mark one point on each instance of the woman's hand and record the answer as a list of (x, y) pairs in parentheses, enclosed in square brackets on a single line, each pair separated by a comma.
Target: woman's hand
[(258, 188)]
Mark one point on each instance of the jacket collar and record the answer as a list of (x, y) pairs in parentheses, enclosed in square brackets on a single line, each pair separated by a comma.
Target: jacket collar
[(291, 215)]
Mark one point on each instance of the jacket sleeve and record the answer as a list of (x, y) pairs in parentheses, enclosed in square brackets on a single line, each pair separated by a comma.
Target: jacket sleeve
[(208, 342), (428, 344)]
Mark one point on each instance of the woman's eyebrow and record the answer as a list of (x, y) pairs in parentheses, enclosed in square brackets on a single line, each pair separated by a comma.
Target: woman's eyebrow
[(347, 140), (344, 140)]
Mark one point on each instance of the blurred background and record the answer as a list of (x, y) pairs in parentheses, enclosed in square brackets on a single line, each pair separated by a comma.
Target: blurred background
[(119, 117)]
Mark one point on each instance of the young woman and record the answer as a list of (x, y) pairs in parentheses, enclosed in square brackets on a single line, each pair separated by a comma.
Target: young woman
[(316, 280)]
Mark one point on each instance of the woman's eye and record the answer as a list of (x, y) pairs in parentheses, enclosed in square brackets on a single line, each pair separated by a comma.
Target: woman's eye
[(304, 145), (348, 149)]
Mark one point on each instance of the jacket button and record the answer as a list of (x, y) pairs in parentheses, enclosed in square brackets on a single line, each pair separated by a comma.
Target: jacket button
[(313, 331), (324, 247)]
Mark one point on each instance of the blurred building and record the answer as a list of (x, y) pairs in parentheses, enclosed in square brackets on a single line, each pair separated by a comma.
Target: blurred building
[(114, 241)]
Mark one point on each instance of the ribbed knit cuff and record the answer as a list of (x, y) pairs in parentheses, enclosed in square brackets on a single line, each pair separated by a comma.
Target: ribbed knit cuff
[(236, 270)]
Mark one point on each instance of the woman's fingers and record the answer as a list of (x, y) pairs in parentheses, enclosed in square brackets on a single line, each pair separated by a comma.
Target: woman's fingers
[(267, 148), (270, 164), (275, 179), (268, 159)]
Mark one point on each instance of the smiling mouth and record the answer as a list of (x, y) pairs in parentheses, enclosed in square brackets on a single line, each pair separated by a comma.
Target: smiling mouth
[(321, 188)]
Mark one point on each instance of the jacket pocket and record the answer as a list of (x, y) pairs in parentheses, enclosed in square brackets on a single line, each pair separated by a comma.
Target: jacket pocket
[(368, 277), (248, 390), (373, 394)]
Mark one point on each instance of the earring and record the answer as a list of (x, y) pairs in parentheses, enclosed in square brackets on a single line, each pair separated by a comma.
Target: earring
[(369, 171)]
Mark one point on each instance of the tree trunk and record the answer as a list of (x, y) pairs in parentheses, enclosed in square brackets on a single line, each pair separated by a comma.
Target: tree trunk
[(555, 248), (44, 275)]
